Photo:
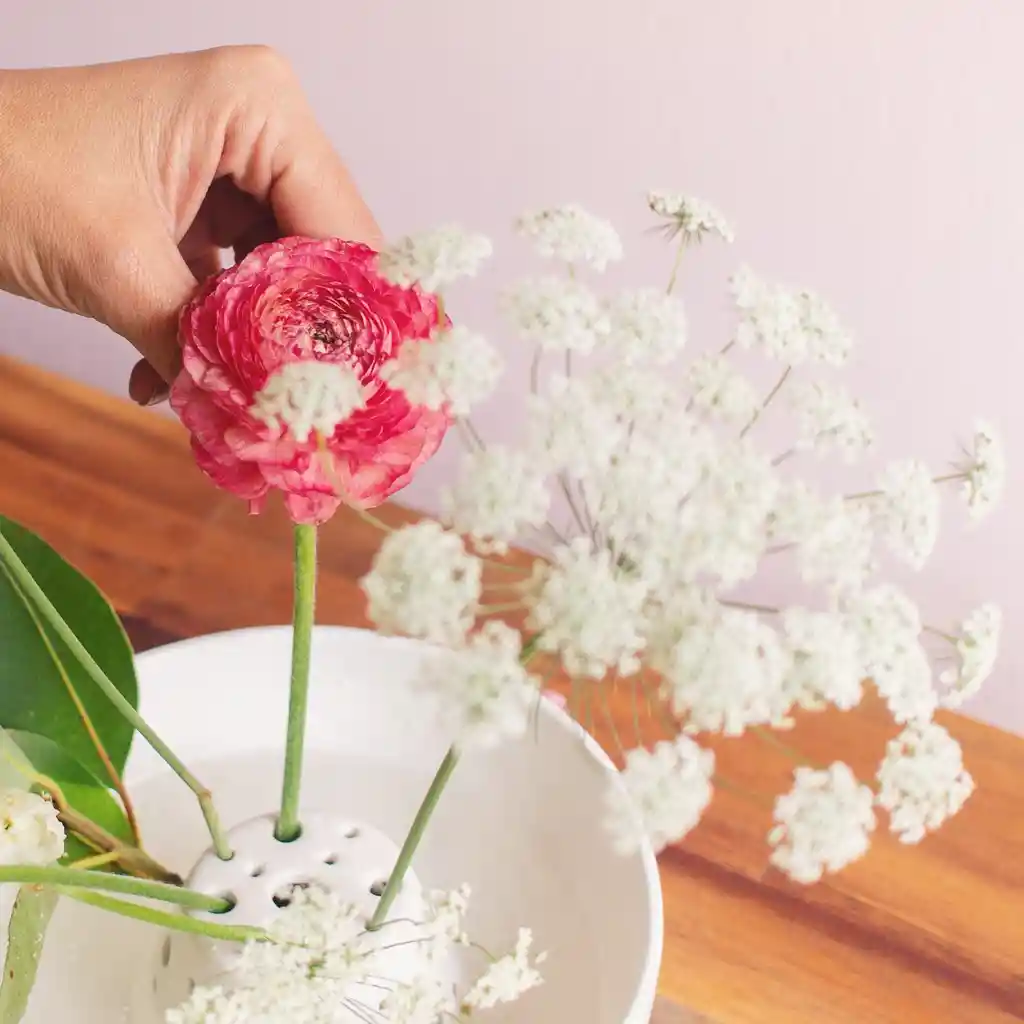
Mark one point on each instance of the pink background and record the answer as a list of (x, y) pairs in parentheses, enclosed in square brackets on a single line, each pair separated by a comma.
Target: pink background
[(872, 151)]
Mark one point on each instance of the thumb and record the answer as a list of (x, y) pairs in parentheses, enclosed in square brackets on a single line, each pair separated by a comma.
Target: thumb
[(140, 296)]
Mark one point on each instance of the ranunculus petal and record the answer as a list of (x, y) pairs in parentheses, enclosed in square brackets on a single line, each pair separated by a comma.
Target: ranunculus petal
[(296, 299)]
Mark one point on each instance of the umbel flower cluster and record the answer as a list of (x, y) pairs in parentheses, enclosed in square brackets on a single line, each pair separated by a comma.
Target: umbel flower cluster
[(318, 964), (642, 488)]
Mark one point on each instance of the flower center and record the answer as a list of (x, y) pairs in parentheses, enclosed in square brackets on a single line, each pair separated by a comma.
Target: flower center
[(328, 336)]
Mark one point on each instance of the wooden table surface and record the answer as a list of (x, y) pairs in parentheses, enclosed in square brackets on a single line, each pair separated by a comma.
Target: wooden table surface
[(933, 933)]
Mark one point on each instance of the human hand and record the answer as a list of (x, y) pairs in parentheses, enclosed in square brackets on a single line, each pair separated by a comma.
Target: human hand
[(121, 183)]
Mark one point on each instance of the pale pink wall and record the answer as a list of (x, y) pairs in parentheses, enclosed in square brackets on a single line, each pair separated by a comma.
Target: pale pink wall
[(873, 151)]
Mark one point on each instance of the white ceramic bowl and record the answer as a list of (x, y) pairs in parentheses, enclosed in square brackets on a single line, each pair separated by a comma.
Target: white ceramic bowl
[(521, 825)]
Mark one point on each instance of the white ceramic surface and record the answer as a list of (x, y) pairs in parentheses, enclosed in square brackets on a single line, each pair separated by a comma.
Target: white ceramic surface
[(521, 825)]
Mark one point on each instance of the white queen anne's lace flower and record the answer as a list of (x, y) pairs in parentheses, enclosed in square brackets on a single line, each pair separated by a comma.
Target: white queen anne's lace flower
[(722, 527), (723, 668), (572, 235), (662, 795), (985, 471), (423, 583), (824, 660), (309, 396), (445, 918), (573, 425), (588, 611), (421, 1001), (718, 390), (646, 326), (507, 978), (434, 258), (454, 369), (688, 216), (499, 491), (485, 693), (828, 419), (977, 647), (556, 313), (833, 537), (791, 326), (922, 781), (822, 824), (888, 627), (644, 522), (909, 511), (30, 831)]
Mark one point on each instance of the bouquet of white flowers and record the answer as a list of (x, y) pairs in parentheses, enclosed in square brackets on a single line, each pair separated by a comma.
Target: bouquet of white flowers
[(646, 507)]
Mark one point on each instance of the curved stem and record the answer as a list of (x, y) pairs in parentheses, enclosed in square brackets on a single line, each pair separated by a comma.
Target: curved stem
[(796, 756), (303, 614), (77, 878), (165, 919), (32, 589)]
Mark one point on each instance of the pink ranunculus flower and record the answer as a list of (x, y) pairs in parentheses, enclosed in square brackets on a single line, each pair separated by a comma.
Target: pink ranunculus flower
[(295, 300)]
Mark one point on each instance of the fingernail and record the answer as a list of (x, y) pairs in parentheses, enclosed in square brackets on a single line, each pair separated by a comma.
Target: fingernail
[(160, 394), (148, 392)]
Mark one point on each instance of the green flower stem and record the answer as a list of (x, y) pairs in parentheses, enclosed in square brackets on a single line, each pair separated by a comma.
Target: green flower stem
[(303, 614), (75, 878), (32, 589), (412, 840), (164, 918)]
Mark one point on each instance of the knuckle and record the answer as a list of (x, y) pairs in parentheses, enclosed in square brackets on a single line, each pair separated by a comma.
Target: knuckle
[(255, 62)]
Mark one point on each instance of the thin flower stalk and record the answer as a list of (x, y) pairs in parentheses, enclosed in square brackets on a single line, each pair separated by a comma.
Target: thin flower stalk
[(768, 400), (677, 263)]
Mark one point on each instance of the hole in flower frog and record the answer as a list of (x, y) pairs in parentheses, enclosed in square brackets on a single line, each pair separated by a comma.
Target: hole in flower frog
[(257, 870), (378, 887), (284, 896), (352, 833), (230, 899), (331, 859), (165, 952)]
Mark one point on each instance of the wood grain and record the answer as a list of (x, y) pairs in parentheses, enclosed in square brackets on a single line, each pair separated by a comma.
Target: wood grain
[(932, 933)]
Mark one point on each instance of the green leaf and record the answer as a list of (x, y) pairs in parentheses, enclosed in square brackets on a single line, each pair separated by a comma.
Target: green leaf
[(26, 931), (34, 695), (83, 791)]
